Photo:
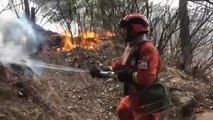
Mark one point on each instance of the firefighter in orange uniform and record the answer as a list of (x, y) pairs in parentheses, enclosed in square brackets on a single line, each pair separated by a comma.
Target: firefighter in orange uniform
[(137, 67)]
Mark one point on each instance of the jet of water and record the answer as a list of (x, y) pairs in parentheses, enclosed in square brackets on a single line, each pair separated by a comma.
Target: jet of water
[(39, 64), (19, 40)]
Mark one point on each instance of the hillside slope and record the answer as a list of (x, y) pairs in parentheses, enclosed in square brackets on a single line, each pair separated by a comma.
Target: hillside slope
[(60, 95)]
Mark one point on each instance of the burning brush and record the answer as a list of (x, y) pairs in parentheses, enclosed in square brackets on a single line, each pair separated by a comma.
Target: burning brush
[(63, 43)]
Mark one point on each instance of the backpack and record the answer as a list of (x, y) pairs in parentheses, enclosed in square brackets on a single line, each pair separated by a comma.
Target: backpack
[(155, 98)]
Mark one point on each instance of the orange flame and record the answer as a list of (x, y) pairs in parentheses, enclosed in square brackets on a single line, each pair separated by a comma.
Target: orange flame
[(89, 35), (90, 40), (110, 34), (67, 44), (87, 40)]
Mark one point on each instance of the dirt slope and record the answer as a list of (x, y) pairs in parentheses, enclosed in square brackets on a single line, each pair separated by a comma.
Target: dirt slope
[(59, 95)]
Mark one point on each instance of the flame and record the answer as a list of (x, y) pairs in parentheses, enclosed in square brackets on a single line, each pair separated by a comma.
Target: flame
[(88, 40), (110, 34), (67, 42), (89, 35), (68, 45)]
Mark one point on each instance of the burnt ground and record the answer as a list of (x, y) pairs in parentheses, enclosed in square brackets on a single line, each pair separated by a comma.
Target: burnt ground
[(60, 95)]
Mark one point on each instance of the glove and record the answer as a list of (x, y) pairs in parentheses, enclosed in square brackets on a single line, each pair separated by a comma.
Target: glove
[(125, 75)]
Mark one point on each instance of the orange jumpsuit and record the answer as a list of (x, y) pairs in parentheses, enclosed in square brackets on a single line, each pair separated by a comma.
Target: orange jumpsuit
[(146, 69)]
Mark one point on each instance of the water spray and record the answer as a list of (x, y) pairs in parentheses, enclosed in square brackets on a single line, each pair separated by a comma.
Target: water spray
[(18, 40), (39, 64)]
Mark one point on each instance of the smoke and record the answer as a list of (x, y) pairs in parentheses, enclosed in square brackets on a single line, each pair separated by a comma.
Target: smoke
[(18, 40)]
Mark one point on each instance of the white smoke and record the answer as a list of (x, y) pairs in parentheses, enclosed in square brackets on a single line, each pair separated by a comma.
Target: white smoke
[(18, 40)]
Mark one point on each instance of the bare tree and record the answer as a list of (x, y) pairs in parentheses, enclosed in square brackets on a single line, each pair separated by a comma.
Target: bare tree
[(27, 9), (186, 53)]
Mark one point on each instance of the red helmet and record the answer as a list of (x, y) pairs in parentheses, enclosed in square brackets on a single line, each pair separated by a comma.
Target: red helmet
[(135, 23)]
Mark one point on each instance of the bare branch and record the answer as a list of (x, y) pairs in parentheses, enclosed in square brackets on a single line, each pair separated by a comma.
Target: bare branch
[(14, 7), (208, 1), (4, 9)]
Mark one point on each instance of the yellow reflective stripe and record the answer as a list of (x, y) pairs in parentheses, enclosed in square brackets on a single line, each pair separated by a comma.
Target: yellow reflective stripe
[(134, 77), (110, 67)]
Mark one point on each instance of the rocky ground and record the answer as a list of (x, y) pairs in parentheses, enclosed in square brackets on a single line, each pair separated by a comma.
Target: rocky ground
[(60, 95)]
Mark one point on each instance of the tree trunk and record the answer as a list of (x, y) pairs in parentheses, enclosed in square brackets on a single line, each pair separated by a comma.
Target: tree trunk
[(102, 11), (70, 29), (27, 9), (33, 14), (186, 53)]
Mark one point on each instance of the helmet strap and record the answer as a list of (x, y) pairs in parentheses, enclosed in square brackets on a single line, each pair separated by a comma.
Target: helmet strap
[(139, 39)]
